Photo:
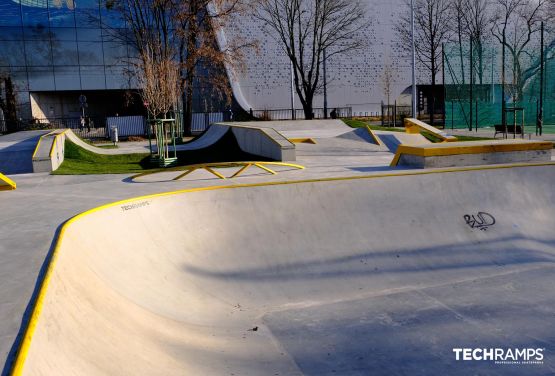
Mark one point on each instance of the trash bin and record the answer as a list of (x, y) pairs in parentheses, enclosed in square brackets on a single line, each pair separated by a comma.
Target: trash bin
[(114, 134)]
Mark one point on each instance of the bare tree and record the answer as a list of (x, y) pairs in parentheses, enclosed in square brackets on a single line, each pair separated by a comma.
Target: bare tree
[(514, 23), (477, 21), (307, 28), (158, 79), (432, 29), (388, 79), (198, 24), (185, 31), (458, 28)]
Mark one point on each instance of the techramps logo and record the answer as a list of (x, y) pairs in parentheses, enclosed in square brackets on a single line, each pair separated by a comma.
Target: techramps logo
[(517, 356)]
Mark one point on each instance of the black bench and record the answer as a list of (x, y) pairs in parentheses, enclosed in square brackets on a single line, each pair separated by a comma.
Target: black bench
[(510, 129)]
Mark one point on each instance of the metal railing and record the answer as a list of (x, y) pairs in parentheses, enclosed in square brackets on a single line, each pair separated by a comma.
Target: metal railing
[(298, 114), (213, 167)]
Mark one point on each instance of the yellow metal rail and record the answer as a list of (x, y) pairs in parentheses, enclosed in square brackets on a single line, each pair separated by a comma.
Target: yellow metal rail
[(210, 167), (415, 126), (6, 184), (376, 139)]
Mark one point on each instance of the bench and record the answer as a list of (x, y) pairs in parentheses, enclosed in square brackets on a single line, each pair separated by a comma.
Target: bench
[(510, 129)]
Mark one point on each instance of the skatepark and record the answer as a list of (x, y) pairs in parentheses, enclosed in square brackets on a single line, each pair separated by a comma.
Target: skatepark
[(348, 266)]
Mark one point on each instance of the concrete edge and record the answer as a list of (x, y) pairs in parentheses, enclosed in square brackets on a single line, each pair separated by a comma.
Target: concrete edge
[(50, 161), (376, 139), (23, 348)]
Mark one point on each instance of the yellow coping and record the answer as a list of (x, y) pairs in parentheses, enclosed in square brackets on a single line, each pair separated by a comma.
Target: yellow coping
[(211, 166), (40, 140), (23, 350), (416, 126), (470, 147), (6, 184), (53, 147), (307, 140), (374, 137)]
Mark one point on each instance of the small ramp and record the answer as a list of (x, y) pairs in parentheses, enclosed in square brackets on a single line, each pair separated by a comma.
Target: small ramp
[(392, 140), (361, 135), (213, 134)]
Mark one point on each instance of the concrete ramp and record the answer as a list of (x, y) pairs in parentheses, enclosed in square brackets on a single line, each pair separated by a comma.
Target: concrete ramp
[(392, 140), (334, 277), (16, 151)]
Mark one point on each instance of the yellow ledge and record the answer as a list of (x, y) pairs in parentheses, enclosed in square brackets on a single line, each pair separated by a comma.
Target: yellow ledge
[(6, 184), (470, 147), (302, 140), (53, 147)]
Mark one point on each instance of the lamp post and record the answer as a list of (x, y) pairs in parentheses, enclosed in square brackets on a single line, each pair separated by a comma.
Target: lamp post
[(413, 48), (292, 92), (325, 88)]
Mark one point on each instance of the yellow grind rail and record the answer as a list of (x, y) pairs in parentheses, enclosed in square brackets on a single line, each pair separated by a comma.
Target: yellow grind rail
[(376, 139), (6, 184), (415, 126), (210, 167)]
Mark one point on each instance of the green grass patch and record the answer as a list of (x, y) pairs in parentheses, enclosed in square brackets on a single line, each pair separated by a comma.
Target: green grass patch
[(362, 124), (78, 161), (472, 138)]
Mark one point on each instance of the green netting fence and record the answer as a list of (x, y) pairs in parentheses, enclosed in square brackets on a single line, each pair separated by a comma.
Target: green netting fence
[(474, 84)]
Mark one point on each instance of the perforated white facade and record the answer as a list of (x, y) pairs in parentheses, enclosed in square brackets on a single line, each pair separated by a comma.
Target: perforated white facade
[(353, 81)]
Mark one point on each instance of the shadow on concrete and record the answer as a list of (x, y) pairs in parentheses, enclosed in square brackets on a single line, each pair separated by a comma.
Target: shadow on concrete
[(501, 252), (18, 158)]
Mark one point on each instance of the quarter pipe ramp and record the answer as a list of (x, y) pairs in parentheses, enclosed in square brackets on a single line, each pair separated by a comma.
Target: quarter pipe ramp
[(341, 276)]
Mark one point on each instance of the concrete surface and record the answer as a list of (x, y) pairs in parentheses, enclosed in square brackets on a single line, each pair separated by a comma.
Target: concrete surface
[(393, 139), (439, 271), (16, 151), (345, 277)]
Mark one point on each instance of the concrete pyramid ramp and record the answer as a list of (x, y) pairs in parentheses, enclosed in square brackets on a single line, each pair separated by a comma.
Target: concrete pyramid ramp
[(346, 277), (392, 140)]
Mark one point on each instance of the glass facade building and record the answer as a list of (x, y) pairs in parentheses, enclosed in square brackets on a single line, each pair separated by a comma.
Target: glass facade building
[(55, 50)]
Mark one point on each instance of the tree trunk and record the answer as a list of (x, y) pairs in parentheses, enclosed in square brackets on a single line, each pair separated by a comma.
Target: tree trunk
[(188, 104), (308, 110), (190, 68), (11, 108)]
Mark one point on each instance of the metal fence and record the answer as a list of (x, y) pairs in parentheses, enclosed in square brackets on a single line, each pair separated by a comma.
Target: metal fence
[(298, 114), (201, 120), (393, 115), (94, 128)]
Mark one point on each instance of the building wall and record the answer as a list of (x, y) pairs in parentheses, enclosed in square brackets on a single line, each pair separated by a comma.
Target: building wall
[(354, 80), (53, 46)]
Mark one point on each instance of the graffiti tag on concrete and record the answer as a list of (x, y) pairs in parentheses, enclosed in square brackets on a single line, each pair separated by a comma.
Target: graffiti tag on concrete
[(482, 221)]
